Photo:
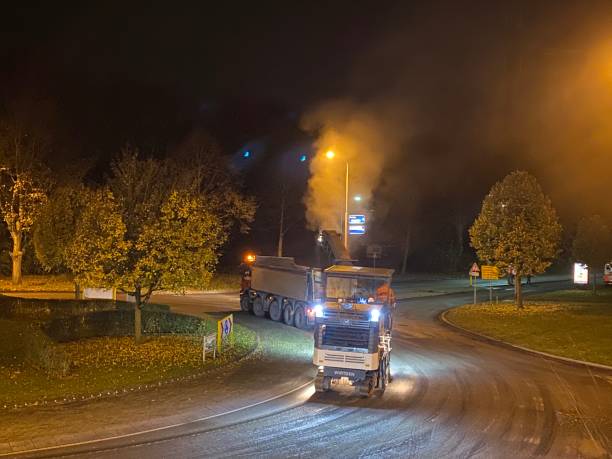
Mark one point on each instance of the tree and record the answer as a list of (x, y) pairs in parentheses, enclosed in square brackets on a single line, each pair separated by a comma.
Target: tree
[(55, 226), (517, 228), (21, 198), (150, 231), (593, 244)]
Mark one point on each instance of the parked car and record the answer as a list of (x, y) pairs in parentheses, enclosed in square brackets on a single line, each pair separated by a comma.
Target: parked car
[(607, 277)]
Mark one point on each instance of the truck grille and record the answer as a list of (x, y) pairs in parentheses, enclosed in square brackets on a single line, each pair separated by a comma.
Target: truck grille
[(338, 336), (341, 358)]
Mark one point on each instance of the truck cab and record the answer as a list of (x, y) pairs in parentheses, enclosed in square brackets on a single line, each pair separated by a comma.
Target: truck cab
[(352, 339)]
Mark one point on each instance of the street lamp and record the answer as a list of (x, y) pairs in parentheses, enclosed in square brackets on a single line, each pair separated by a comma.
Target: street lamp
[(330, 155)]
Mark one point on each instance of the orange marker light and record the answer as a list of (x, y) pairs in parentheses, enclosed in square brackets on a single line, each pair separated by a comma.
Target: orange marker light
[(249, 258)]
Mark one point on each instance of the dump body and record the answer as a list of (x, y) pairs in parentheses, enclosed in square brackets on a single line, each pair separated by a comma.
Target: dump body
[(281, 276), (281, 289)]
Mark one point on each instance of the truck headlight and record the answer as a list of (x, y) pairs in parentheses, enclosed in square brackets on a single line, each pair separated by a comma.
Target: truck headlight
[(374, 315), (318, 310)]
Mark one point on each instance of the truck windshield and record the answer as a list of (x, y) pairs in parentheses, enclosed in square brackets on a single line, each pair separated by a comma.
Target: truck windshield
[(357, 290)]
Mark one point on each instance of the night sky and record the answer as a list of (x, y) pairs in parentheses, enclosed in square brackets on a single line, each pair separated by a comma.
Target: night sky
[(463, 92)]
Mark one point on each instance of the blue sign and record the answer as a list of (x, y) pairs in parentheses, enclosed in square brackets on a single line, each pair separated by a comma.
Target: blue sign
[(356, 229), (357, 219)]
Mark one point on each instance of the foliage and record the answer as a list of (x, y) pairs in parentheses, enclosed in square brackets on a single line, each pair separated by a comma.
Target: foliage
[(155, 228), (120, 322), (593, 244), (24, 343), (98, 253), (517, 228), (24, 182), (109, 364), (22, 196), (180, 248), (43, 310), (54, 229)]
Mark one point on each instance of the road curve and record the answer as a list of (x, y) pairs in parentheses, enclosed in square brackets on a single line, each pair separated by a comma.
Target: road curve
[(452, 396)]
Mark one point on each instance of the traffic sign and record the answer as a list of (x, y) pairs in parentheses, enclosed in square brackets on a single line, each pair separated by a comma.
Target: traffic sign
[(225, 328), (355, 219), (490, 272), (475, 270), (356, 229), (581, 274)]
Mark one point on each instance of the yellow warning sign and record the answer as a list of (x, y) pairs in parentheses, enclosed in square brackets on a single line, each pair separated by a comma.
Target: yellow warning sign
[(489, 272)]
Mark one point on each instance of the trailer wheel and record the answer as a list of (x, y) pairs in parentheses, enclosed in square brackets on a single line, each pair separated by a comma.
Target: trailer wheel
[(258, 307), (245, 303), (299, 317), (275, 310), (288, 315)]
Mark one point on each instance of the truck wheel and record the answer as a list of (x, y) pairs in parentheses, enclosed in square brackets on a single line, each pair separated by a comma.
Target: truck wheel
[(245, 303), (288, 315), (299, 318), (384, 376), (275, 310), (258, 307), (365, 387)]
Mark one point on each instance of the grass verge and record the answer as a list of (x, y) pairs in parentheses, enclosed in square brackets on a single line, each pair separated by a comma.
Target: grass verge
[(39, 283), (64, 283), (557, 323), (108, 364)]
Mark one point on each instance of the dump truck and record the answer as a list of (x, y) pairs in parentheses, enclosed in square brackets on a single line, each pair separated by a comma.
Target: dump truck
[(352, 335), (279, 288)]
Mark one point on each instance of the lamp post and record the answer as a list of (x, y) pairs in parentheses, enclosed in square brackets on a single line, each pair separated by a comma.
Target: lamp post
[(330, 155)]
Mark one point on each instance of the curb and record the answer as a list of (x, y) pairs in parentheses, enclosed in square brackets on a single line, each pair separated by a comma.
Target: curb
[(472, 334), (466, 290)]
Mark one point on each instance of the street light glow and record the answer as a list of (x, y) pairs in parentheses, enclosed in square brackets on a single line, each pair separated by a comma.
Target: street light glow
[(330, 154), (357, 198)]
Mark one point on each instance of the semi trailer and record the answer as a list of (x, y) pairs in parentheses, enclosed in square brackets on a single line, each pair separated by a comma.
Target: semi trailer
[(352, 337), (281, 289)]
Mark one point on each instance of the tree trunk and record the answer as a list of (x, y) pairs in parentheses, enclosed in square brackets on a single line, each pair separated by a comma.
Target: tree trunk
[(518, 289), (137, 316), (406, 251), (594, 283), (16, 255)]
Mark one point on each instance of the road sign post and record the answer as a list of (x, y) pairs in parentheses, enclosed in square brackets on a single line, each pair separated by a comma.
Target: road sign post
[(374, 251), (474, 273)]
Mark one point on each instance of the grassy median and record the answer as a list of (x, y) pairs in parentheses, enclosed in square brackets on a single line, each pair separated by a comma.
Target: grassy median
[(100, 365), (568, 323)]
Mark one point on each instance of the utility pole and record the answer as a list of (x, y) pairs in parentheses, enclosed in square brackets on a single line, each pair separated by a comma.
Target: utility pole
[(346, 195)]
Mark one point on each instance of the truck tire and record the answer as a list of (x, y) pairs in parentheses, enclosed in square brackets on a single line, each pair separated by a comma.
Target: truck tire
[(258, 307), (275, 309), (288, 315), (245, 303), (299, 317)]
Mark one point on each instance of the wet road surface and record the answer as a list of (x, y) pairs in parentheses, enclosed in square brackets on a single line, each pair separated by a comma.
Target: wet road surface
[(452, 396)]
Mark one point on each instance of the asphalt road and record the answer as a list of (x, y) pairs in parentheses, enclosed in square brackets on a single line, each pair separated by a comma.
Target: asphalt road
[(452, 396)]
